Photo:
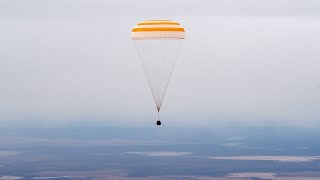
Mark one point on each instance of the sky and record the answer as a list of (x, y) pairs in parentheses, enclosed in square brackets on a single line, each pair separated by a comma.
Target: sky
[(245, 61)]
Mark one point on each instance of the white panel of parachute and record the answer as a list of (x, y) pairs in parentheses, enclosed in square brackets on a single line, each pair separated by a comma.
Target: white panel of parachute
[(158, 43)]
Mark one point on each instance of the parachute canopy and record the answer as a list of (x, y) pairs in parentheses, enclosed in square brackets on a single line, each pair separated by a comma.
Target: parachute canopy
[(158, 44), (158, 29)]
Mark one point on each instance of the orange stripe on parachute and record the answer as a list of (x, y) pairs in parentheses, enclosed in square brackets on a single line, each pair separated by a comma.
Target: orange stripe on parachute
[(157, 29), (158, 23)]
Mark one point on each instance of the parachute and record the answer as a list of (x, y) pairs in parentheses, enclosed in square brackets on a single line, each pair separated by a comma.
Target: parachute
[(158, 43)]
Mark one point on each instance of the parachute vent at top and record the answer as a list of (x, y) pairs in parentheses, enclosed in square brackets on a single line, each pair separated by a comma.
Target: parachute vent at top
[(154, 29)]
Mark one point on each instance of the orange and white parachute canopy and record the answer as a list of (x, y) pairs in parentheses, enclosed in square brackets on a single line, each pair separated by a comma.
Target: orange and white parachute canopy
[(154, 29)]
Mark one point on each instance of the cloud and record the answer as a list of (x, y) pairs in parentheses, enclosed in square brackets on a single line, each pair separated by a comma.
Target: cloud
[(270, 158), (58, 177), (251, 175), (162, 153), (100, 8), (8, 153), (274, 176), (248, 61), (10, 177), (233, 145)]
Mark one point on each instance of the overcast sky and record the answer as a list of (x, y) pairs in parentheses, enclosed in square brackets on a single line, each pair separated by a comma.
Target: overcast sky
[(243, 60)]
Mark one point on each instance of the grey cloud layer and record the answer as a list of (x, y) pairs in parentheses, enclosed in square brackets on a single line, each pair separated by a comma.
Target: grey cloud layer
[(60, 8), (76, 61)]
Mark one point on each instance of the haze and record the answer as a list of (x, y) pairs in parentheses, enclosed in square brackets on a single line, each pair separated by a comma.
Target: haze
[(243, 61)]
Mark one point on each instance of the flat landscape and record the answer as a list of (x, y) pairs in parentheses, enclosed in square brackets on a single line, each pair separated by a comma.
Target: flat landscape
[(127, 153)]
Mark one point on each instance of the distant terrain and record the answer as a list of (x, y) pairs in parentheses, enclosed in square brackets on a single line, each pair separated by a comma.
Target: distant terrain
[(220, 153)]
